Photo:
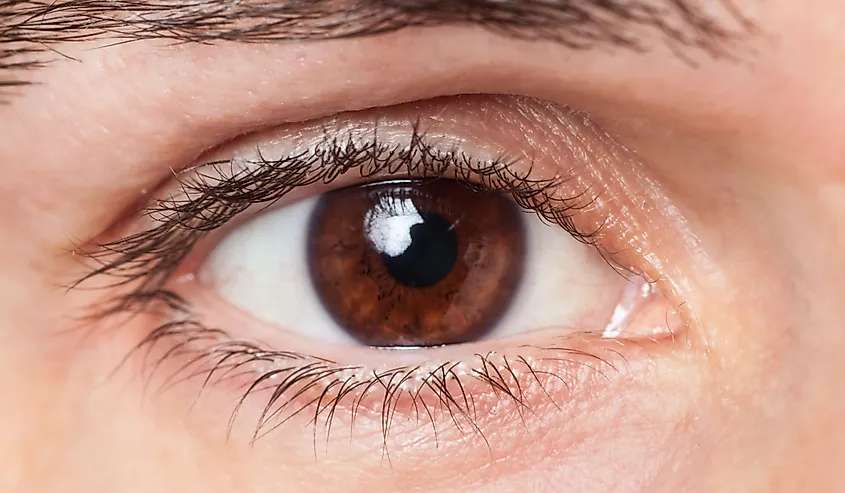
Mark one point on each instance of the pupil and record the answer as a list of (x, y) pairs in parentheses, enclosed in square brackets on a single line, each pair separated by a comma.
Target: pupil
[(430, 255)]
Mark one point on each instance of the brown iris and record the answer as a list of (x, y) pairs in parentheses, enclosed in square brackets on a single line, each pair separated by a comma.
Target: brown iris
[(416, 263)]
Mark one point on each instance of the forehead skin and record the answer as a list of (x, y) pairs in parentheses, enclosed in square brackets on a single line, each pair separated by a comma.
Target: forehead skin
[(749, 145)]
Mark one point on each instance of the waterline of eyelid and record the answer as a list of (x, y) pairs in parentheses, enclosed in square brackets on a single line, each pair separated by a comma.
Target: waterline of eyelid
[(623, 326)]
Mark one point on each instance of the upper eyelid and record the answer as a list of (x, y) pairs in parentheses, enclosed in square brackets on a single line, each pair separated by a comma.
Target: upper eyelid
[(140, 161)]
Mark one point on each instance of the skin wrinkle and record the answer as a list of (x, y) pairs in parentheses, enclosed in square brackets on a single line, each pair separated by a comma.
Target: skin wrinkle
[(29, 30)]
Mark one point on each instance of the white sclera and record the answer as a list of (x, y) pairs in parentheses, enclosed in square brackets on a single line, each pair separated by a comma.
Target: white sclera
[(262, 268), (566, 285)]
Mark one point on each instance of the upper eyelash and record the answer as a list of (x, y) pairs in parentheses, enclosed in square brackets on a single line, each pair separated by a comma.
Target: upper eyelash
[(147, 259)]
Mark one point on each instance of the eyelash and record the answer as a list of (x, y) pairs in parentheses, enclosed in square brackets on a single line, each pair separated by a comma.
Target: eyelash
[(150, 257), (146, 261)]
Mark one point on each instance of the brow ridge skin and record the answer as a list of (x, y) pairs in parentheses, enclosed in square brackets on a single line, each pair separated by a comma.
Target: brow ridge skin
[(30, 31)]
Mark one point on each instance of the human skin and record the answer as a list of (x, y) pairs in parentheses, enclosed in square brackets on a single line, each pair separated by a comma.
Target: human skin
[(747, 149)]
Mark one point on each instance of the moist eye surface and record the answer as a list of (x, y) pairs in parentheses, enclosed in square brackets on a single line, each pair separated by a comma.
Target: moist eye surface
[(416, 263)]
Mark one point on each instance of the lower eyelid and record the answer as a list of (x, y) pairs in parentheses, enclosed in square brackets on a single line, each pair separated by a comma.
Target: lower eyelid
[(462, 391), (458, 392)]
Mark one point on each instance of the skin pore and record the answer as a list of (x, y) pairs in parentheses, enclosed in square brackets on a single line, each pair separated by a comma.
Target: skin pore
[(711, 131)]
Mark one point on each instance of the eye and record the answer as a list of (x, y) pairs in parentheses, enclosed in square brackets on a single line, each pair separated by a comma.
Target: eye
[(411, 263), (511, 248)]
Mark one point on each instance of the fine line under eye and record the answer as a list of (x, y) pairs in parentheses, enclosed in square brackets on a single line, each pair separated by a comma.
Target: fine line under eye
[(212, 194)]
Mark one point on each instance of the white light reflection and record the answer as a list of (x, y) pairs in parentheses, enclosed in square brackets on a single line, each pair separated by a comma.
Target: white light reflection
[(388, 225)]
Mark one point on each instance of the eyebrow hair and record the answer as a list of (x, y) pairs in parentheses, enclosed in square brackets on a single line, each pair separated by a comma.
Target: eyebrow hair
[(30, 28)]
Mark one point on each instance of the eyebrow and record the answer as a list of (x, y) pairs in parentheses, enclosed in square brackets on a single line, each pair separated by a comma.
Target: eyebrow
[(30, 28)]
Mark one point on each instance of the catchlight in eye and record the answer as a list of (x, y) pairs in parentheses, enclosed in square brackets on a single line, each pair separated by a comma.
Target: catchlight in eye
[(416, 263)]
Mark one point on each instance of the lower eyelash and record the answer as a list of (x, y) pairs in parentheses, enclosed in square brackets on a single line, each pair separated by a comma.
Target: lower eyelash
[(287, 386)]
